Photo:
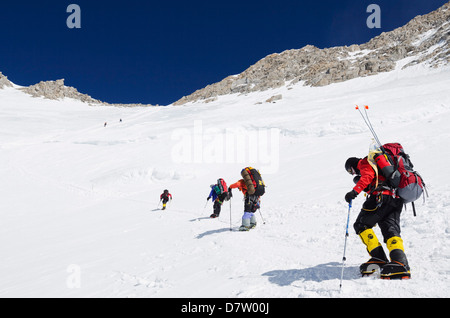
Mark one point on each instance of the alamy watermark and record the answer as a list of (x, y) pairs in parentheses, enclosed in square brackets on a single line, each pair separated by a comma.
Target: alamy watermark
[(74, 19), (258, 147), (374, 19)]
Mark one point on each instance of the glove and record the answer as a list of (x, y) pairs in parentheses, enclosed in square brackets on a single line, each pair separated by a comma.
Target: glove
[(351, 196), (207, 199), (230, 194)]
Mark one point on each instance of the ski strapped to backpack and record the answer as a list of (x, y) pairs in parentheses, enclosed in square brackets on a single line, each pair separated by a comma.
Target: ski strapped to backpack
[(253, 181), (395, 166)]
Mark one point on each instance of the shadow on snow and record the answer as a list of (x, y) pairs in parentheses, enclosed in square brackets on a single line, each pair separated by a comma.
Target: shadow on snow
[(213, 232), (318, 273)]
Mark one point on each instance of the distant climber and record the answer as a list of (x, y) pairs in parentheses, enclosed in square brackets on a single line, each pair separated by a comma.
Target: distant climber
[(164, 198), (219, 194)]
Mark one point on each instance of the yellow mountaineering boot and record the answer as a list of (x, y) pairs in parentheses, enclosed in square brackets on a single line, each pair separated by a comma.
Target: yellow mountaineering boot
[(398, 267), (378, 257)]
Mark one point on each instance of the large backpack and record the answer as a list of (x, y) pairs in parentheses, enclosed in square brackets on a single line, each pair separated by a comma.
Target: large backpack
[(397, 168), (220, 187), (253, 181)]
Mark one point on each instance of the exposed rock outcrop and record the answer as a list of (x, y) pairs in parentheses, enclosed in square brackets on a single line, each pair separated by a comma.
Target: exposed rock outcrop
[(424, 39), (4, 82), (57, 90)]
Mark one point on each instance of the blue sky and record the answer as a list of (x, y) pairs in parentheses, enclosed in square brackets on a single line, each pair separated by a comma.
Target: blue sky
[(155, 52)]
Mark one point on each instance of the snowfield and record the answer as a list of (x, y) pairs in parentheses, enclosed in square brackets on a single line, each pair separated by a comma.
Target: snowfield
[(79, 201)]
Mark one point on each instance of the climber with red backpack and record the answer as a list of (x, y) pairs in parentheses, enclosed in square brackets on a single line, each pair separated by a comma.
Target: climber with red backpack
[(382, 207), (219, 194), (164, 198), (388, 178)]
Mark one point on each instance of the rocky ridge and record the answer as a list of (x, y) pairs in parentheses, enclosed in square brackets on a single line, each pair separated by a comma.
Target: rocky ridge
[(56, 90), (4, 82), (423, 39)]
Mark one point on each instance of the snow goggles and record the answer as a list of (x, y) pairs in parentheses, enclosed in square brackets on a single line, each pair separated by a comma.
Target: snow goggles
[(351, 170)]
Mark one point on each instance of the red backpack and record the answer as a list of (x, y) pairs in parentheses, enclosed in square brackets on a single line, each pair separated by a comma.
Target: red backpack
[(221, 187), (397, 168)]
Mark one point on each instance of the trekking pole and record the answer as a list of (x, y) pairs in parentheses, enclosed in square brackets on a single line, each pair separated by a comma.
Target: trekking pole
[(203, 211), (345, 244), (230, 216), (264, 222)]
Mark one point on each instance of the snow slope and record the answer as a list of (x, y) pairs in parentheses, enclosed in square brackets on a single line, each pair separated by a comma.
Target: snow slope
[(79, 201)]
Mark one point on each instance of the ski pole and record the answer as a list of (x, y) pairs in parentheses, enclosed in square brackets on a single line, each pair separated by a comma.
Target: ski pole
[(371, 126), (230, 216), (368, 123), (372, 130), (203, 211), (264, 222), (345, 244)]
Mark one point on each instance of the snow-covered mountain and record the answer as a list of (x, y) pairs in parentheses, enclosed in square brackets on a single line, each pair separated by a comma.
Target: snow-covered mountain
[(424, 39), (79, 199)]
